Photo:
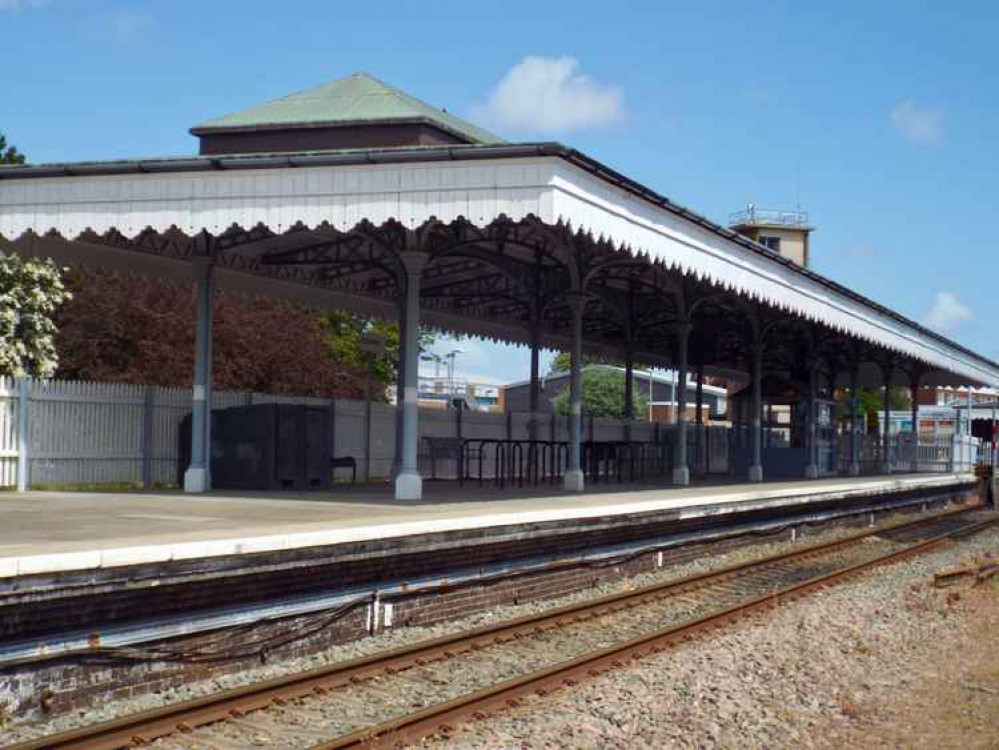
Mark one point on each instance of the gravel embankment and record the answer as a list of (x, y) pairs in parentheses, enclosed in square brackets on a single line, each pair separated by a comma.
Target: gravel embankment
[(390, 639)]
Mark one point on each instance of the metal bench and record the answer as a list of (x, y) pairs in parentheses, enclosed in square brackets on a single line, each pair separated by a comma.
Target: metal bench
[(344, 462)]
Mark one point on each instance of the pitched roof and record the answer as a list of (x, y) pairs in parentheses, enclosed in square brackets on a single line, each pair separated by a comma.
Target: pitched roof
[(357, 99)]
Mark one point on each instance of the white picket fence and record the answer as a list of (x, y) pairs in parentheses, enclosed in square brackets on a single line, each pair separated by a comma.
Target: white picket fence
[(79, 434), (82, 434)]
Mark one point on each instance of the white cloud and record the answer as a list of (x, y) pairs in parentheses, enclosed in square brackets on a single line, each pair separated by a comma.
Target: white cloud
[(918, 125), (549, 95), (948, 312)]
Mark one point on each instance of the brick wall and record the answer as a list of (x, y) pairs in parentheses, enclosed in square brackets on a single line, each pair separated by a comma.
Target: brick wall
[(75, 682), (38, 606)]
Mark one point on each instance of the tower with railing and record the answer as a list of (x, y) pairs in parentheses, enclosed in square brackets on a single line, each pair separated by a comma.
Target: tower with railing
[(784, 232)]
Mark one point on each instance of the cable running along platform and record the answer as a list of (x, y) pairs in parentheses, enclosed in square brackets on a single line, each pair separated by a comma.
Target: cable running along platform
[(403, 694)]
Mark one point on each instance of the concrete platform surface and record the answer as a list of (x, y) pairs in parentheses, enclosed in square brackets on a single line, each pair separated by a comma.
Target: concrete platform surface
[(43, 532)]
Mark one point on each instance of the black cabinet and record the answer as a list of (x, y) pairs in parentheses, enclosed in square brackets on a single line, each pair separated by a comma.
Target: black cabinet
[(266, 447)]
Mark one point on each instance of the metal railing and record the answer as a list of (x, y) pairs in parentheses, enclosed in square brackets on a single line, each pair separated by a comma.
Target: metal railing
[(513, 462), (769, 216), (710, 451), (989, 454), (930, 454)]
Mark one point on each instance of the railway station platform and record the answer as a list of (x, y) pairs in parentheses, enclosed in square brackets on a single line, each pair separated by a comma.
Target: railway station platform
[(107, 595), (52, 532)]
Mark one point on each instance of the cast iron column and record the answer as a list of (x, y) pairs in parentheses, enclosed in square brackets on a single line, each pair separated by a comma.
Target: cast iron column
[(699, 461), (812, 431), (756, 468), (629, 382), (699, 395), (966, 448), (409, 483), (629, 388), (995, 434), (400, 389), (886, 420), (853, 466), (534, 392), (681, 472), (914, 406), (971, 425), (198, 477), (574, 473)]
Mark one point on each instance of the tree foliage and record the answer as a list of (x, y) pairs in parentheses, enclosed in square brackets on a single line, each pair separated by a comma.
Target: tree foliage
[(9, 154), (871, 401), (138, 330), (133, 329), (345, 334), (562, 362), (603, 395), (31, 292)]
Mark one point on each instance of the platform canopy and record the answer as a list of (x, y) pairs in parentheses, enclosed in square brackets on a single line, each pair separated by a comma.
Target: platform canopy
[(335, 190)]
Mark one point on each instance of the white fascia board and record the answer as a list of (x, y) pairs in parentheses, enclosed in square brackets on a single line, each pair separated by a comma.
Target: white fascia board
[(604, 209), (279, 198)]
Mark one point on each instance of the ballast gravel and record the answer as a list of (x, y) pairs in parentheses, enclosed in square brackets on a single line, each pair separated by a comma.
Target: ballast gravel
[(590, 731), (820, 672)]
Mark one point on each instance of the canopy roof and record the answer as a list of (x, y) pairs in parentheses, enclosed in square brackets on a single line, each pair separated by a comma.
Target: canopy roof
[(513, 236), (357, 99)]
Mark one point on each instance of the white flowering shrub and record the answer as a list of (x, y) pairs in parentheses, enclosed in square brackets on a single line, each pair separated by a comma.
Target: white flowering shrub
[(30, 293)]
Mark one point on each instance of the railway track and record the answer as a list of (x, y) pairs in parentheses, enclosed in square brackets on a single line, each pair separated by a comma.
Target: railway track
[(403, 694)]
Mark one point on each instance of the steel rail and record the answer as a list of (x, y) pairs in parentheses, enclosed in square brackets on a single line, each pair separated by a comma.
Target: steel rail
[(478, 705), (146, 726)]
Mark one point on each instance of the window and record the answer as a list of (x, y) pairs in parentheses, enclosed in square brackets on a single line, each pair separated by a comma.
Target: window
[(772, 243)]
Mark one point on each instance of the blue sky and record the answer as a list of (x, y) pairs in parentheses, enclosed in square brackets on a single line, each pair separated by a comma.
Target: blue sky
[(880, 118)]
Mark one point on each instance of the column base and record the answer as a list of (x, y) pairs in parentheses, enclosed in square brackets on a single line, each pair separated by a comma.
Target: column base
[(755, 473), (196, 479), (811, 471), (681, 476), (574, 480), (408, 486)]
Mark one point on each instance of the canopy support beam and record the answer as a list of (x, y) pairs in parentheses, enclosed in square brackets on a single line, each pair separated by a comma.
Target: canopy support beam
[(681, 471), (812, 425), (535, 389), (400, 386), (198, 477), (914, 376), (574, 481), (886, 421), (409, 483), (756, 422), (853, 468), (629, 388)]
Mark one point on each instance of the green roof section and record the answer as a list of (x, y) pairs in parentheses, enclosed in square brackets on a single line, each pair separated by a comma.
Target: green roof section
[(358, 99)]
